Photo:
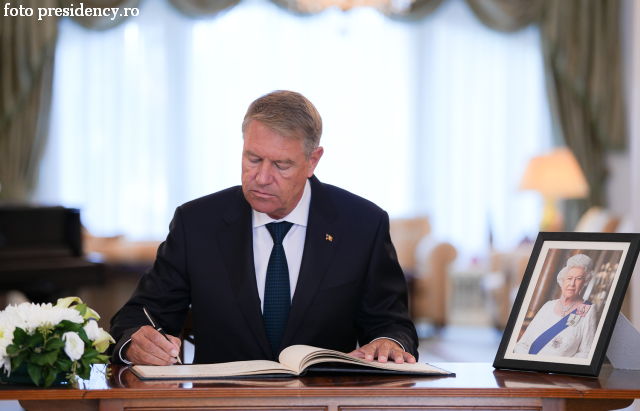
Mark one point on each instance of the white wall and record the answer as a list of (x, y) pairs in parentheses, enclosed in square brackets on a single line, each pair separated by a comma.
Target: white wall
[(618, 187)]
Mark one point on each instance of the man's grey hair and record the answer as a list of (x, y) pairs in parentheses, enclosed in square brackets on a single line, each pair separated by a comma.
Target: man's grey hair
[(579, 261), (289, 114)]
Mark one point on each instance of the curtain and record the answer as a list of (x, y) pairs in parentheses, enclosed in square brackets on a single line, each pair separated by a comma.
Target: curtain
[(581, 46), (581, 49), (26, 76), (164, 127), (99, 22), (202, 8), (156, 121), (483, 115), (26, 68), (507, 15)]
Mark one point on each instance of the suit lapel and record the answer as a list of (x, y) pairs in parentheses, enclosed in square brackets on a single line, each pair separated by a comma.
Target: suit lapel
[(236, 242), (316, 257)]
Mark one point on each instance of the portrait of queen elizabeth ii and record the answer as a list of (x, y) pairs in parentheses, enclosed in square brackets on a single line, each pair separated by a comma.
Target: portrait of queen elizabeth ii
[(569, 298), (566, 326)]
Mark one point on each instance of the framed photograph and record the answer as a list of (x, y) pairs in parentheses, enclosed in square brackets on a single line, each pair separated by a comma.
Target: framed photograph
[(568, 303)]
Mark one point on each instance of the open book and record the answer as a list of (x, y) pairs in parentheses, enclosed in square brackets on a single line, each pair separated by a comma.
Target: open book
[(294, 361)]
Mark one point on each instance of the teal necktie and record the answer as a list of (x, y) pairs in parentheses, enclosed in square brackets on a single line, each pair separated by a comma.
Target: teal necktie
[(277, 292)]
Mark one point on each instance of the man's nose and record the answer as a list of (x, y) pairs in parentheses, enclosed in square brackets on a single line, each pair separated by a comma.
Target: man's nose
[(263, 177)]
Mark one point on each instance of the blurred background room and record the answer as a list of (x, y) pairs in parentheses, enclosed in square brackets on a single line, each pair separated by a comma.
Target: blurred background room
[(474, 123)]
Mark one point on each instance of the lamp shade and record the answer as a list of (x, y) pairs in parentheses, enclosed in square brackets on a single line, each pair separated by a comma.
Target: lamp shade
[(556, 175)]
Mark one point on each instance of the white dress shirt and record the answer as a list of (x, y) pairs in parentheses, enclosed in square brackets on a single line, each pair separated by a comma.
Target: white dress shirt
[(293, 244)]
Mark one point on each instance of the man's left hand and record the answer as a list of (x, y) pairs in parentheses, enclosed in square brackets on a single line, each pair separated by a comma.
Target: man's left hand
[(383, 349)]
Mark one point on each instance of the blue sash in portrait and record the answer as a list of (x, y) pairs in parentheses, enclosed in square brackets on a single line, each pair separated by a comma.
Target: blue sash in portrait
[(548, 335)]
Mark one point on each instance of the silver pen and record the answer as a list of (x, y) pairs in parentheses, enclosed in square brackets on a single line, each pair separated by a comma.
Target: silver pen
[(158, 329)]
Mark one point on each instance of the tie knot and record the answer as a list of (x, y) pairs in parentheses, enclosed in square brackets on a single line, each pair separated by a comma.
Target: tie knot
[(279, 231)]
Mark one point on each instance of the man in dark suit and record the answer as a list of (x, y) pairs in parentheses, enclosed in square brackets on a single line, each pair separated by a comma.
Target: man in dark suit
[(281, 260)]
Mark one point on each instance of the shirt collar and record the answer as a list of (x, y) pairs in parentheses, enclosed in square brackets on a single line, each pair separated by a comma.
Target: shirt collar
[(298, 216)]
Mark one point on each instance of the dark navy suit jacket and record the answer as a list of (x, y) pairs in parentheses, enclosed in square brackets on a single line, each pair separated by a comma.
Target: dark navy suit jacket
[(349, 290)]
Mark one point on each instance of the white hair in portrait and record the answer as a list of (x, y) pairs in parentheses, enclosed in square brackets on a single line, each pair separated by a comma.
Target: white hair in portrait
[(579, 261)]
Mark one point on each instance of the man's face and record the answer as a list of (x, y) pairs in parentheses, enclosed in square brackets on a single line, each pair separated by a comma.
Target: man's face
[(274, 170), (572, 283)]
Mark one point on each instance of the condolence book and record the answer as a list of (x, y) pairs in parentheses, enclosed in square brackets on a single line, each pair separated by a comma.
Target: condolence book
[(294, 361)]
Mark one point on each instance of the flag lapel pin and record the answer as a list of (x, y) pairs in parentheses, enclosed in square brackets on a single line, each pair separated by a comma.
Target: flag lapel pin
[(329, 238)]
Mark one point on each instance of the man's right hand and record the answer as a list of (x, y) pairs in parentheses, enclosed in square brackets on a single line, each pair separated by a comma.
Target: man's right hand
[(149, 347)]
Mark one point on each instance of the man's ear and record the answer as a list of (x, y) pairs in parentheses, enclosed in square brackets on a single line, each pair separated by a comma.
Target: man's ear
[(314, 159)]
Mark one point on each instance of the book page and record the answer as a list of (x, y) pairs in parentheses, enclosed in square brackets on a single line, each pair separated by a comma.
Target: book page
[(293, 357), (228, 369), (299, 357)]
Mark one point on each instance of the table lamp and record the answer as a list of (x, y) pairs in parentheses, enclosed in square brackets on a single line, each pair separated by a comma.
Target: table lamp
[(557, 176)]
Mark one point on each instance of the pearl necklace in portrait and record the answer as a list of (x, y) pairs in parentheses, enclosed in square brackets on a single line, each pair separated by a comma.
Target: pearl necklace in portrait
[(563, 309)]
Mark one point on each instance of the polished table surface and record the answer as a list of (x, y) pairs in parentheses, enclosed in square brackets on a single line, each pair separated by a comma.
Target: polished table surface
[(472, 380)]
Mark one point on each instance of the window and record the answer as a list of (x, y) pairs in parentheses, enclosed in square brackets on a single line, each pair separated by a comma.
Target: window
[(436, 117)]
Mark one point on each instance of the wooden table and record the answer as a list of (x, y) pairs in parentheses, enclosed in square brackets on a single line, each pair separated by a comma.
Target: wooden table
[(476, 386)]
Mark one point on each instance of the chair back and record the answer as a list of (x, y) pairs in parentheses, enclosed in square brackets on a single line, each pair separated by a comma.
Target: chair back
[(405, 235)]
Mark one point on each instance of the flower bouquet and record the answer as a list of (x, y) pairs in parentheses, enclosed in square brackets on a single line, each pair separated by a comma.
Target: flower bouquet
[(51, 340)]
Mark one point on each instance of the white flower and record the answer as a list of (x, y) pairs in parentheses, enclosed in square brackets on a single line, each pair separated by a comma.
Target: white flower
[(30, 317), (6, 333), (74, 346), (66, 302), (91, 314), (6, 363), (102, 343), (92, 330), (6, 338)]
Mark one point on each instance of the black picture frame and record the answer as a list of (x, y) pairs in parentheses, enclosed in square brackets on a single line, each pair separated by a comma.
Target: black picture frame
[(547, 246)]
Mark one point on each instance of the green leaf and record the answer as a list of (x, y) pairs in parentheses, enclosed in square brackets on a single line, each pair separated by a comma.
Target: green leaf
[(65, 364), (49, 376), (37, 358), (17, 361), (67, 326), (103, 358), (13, 349), (54, 344), (35, 373), (51, 357), (34, 356), (35, 340), (44, 358), (19, 336), (90, 354), (82, 308), (83, 336)]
